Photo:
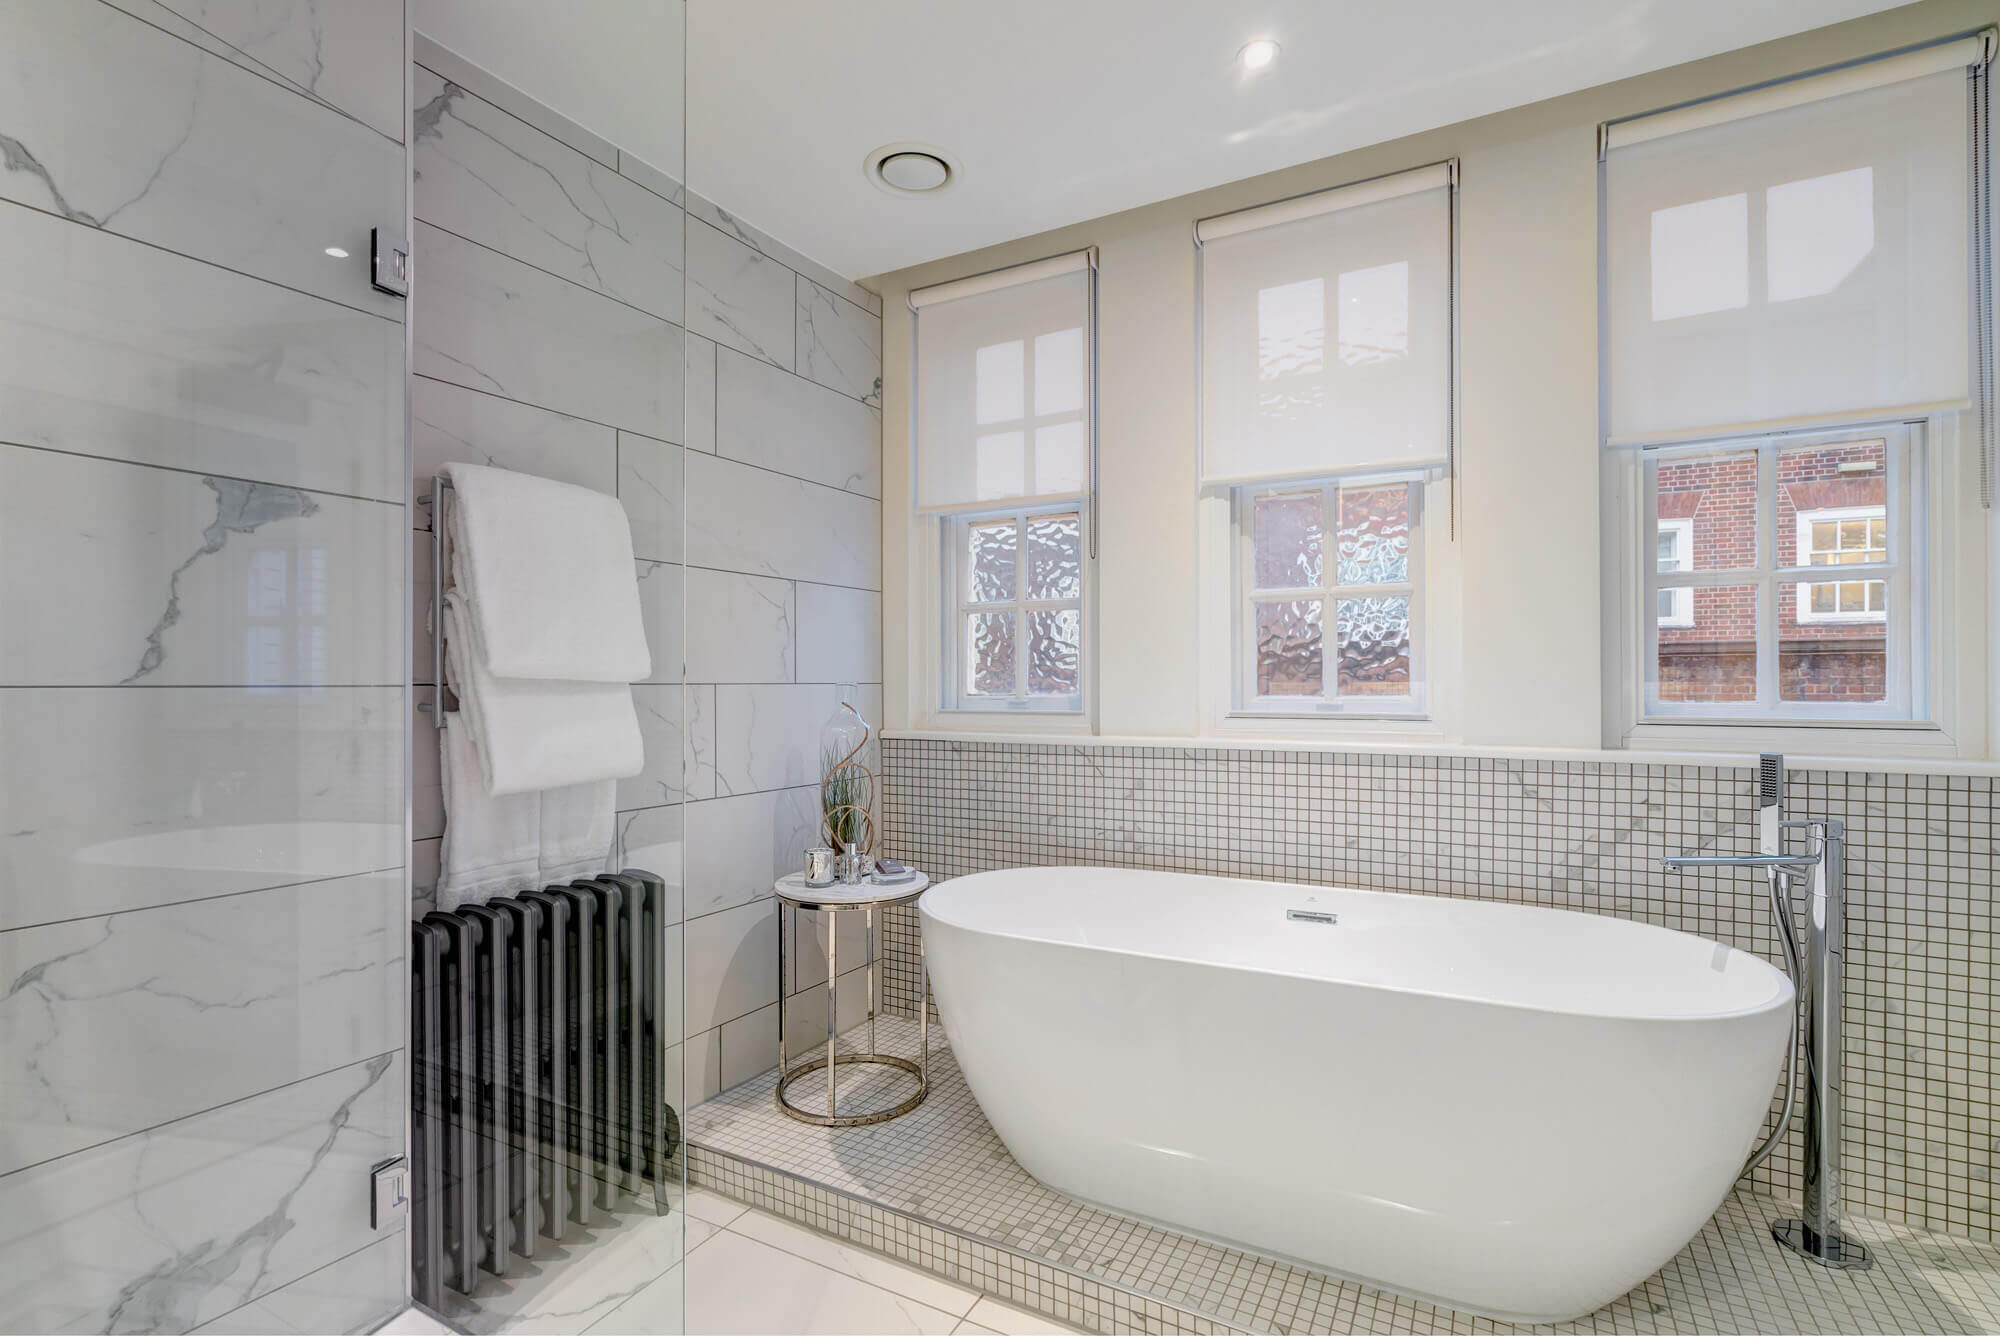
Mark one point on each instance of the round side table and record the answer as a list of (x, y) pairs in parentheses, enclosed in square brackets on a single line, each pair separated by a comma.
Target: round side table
[(828, 901)]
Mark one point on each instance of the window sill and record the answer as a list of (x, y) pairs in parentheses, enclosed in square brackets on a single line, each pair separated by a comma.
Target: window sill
[(1859, 739)]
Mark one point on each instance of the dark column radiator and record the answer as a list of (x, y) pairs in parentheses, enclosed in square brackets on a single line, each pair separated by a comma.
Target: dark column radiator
[(537, 1089)]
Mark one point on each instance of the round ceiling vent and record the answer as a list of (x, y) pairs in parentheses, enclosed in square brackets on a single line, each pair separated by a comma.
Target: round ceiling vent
[(910, 169)]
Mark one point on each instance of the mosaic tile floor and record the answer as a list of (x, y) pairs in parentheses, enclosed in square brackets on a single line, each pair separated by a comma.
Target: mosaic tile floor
[(944, 1164)]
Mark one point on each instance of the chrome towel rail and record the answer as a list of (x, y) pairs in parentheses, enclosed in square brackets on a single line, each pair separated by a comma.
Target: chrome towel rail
[(440, 556)]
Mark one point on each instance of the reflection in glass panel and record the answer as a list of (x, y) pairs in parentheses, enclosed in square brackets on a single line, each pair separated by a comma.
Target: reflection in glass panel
[(1375, 313), (1701, 257), (991, 556), (1059, 372), (1841, 655), (1286, 535), (1291, 329), (1713, 657), (1055, 557), (999, 464), (1374, 650), (1373, 535), (1289, 653), (1817, 232), (989, 654), (1055, 653), (1000, 386), (1059, 459), (1713, 498)]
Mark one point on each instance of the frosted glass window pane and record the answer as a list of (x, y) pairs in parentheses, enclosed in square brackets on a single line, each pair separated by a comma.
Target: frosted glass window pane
[(1055, 653), (1286, 537), (992, 551), (1002, 463), (1713, 658), (1291, 330), (1059, 372), (1055, 557), (1701, 257), (1002, 392), (1289, 655), (1817, 232), (1374, 535), (1374, 652), (989, 654), (1375, 313), (1059, 461)]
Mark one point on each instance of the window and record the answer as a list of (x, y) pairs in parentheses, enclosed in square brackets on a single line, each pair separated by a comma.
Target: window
[(1005, 472), (1329, 626), (1741, 529)]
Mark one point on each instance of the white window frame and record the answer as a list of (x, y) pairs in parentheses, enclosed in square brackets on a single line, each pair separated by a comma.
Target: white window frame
[(1911, 646), (956, 607), (1680, 598), (1803, 610), (1244, 701)]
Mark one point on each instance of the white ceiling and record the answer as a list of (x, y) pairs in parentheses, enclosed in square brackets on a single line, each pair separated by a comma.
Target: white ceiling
[(1057, 110)]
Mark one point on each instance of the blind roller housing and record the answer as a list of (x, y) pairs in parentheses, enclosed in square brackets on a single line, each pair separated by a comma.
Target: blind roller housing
[(1326, 339), (1805, 263), (1003, 393)]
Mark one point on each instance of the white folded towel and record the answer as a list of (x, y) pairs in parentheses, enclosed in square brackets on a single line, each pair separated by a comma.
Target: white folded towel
[(547, 575), (503, 846), (540, 735)]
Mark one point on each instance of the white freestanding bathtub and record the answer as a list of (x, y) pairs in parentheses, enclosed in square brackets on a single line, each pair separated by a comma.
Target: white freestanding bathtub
[(1514, 1111)]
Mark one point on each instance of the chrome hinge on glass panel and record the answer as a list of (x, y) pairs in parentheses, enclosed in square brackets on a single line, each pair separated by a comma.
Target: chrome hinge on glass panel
[(391, 262), (389, 1197)]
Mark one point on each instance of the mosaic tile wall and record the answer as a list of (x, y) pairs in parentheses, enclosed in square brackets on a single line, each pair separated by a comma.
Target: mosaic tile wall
[(1920, 1138)]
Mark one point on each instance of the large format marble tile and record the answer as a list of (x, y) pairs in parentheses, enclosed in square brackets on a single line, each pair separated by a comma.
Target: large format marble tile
[(167, 143), (778, 421), (494, 179), (354, 1294), (166, 1229), (492, 323), (453, 425), (122, 798), (708, 211), (737, 1284), (650, 486), (738, 296), (732, 963), (483, 84), (742, 625), (347, 53), (767, 737), (111, 348), (840, 634), (650, 840), (578, 1283), (167, 578), (752, 520), (840, 345), (676, 725), (115, 1024), (662, 602), (699, 383), (743, 844)]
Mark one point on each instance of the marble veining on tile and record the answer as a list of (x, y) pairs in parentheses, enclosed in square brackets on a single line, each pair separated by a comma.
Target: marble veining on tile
[(788, 424), (840, 344), (347, 53), (757, 522), (739, 297)]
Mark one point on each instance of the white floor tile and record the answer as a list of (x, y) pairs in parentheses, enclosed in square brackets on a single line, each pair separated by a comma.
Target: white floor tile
[(413, 1322), (968, 1329), (653, 1311), (738, 1285), (863, 1265), (712, 1207), (990, 1314)]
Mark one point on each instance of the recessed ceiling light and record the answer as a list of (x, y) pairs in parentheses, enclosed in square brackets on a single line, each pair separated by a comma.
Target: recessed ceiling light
[(1256, 55), (910, 169), (336, 252)]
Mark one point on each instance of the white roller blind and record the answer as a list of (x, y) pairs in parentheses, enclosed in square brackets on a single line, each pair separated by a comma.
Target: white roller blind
[(1803, 261), (1003, 387), (1326, 332)]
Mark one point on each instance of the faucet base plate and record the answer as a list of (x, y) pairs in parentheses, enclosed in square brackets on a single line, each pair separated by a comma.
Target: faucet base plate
[(1833, 1250)]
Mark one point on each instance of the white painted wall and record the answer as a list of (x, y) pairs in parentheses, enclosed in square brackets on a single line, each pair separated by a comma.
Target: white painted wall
[(1530, 616)]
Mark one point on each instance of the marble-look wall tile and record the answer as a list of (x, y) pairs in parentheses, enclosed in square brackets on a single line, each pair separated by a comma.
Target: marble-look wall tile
[(112, 348), (660, 182), (650, 486), (751, 520), (679, 752), (426, 768), (124, 799), (480, 83), (163, 1230), (163, 578), (840, 634), (124, 1022), (662, 600), (743, 627), (749, 1045), (746, 843), (173, 146), (765, 244), (806, 953), (453, 425), (781, 422), (700, 380), (739, 297), (651, 838), (358, 1293), (767, 737), (840, 345), (346, 53), (732, 963), (494, 179), (492, 323)]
